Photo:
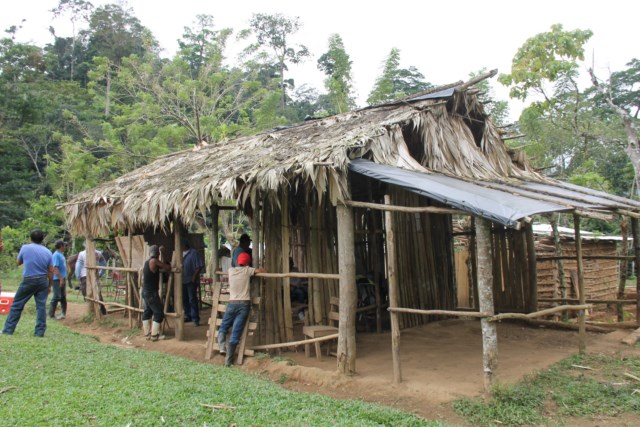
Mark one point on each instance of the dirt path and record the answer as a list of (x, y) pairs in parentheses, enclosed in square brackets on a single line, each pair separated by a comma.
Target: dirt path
[(440, 361)]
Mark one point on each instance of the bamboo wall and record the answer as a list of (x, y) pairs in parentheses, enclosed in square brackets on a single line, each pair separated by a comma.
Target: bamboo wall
[(601, 277)]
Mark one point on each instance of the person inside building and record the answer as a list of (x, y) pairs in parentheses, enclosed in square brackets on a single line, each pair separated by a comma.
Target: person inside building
[(192, 266), (244, 246)]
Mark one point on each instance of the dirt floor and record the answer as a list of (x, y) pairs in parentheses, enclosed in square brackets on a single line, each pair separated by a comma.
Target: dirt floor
[(440, 361)]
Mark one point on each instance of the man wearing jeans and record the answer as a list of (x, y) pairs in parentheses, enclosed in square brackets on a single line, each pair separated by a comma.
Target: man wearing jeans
[(237, 311), (37, 277), (59, 282)]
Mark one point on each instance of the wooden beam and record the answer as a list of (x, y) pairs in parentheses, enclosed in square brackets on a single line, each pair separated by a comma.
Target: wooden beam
[(485, 295), (480, 315), (556, 258), (294, 343), (348, 291), (590, 301), (393, 291), (286, 284), (303, 275), (540, 313), (581, 314), (407, 209)]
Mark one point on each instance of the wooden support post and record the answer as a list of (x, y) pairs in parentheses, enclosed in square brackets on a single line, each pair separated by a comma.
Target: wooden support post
[(624, 251), (177, 282), (214, 242), (348, 291), (129, 279), (393, 292), (636, 248), (561, 276), (533, 268), (286, 282), (485, 299), (582, 335), (92, 276)]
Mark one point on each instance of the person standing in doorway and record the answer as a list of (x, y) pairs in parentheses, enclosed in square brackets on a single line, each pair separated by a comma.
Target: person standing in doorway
[(239, 306), (150, 288), (192, 266), (81, 273), (243, 247), (59, 282), (37, 276)]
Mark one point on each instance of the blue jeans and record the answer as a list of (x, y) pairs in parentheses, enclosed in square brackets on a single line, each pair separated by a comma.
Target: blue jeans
[(190, 302), (236, 315), (38, 288), (153, 306), (59, 296)]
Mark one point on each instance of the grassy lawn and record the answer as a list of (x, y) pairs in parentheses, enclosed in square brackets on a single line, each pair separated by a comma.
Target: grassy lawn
[(70, 379)]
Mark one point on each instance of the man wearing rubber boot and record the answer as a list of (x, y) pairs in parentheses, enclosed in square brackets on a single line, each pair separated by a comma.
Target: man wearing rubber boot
[(153, 304), (239, 306)]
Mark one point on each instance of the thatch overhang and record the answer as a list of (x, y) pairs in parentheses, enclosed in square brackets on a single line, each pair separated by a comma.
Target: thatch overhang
[(444, 130)]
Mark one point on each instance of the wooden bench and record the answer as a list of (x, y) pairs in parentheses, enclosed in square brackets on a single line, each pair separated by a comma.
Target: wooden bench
[(317, 331)]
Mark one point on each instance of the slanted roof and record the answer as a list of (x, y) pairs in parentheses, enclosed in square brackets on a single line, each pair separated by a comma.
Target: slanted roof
[(506, 203), (443, 130)]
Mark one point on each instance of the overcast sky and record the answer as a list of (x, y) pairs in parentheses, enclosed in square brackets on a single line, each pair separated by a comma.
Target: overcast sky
[(444, 40)]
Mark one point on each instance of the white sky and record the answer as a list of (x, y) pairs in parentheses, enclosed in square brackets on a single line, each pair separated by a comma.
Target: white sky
[(444, 40)]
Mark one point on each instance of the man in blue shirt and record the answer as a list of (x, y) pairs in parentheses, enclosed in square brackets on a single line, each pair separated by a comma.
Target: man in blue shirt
[(192, 265), (37, 277), (59, 282)]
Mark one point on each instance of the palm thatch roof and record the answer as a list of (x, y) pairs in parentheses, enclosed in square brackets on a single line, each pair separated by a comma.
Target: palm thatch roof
[(444, 130)]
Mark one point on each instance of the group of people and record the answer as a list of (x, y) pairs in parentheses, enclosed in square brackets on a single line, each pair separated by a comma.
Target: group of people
[(44, 272)]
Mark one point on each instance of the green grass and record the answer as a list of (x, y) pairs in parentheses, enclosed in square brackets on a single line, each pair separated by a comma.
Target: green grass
[(67, 379), (562, 391)]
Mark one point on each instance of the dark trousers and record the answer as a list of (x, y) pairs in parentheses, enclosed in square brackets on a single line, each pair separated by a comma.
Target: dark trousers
[(59, 296), (190, 302), (153, 306)]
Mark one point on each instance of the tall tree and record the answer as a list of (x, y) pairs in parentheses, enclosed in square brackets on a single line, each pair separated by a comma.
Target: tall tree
[(274, 31), (336, 65), (78, 11), (396, 82)]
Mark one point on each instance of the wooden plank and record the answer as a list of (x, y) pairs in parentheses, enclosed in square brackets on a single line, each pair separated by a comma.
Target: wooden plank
[(213, 325)]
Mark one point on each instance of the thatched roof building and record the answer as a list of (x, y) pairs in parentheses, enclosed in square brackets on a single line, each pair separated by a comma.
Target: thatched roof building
[(322, 184)]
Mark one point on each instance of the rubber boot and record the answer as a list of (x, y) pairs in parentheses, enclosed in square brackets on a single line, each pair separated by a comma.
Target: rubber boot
[(155, 332), (222, 343), (63, 306), (146, 329), (228, 360), (52, 309)]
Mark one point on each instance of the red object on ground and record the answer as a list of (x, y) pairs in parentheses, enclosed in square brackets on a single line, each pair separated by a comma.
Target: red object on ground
[(6, 299)]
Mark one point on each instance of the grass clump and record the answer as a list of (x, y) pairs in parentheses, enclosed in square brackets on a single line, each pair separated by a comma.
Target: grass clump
[(578, 386)]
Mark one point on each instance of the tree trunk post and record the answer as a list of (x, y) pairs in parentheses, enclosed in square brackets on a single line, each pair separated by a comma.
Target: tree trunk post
[(348, 291), (286, 282), (624, 251), (177, 281), (533, 268), (485, 299), (636, 248), (582, 334), (393, 291), (92, 276), (214, 242)]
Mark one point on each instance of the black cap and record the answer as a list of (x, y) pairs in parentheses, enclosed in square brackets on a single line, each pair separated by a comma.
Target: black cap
[(245, 238), (59, 244)]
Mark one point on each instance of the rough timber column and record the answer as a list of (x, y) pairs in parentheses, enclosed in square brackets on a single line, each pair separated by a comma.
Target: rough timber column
[(177, 279), (393, 291), (485, 299), (92, 276), (348, 291), (581, 314)]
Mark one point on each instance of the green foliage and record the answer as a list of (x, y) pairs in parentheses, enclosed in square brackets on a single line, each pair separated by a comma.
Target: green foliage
[(336, 65), (574, 393), (109, 385), (396, 82), (546, 57)]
